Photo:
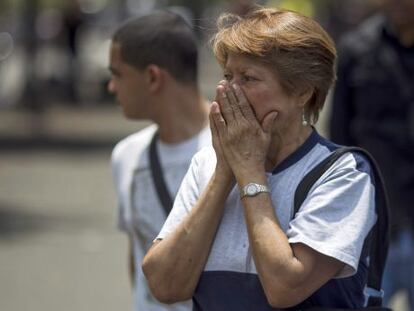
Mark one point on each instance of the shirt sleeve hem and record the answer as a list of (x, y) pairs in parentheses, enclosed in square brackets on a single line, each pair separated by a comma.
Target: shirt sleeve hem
[(351, 263)]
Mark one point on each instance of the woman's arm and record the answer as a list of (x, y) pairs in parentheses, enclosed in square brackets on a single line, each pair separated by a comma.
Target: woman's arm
[(173, 266), (289, 273)]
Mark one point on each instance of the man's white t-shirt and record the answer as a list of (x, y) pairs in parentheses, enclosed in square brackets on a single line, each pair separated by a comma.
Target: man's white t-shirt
[(140, 212)]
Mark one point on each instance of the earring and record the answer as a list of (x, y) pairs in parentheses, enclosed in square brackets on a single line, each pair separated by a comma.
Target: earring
[(304, 121)]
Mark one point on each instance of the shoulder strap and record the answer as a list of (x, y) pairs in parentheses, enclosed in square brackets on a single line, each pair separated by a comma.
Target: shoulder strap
[(158, 176), (379, 235)]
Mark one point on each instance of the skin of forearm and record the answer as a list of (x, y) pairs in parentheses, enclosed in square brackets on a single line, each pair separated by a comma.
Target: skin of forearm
[(280, 271), (273, 256), (173, 266)]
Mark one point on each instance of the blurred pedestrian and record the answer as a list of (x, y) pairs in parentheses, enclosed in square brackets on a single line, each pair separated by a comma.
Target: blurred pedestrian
[(72, 24), (373, 107), (153, 61)]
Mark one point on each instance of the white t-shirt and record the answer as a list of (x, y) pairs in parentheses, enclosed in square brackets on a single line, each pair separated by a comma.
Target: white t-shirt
[(334, 219), (140, 212)]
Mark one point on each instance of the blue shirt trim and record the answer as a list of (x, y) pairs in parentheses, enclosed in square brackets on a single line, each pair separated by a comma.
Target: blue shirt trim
[(313, 139)]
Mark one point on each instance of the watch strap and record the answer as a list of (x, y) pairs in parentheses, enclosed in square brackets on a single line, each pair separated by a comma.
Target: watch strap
[(253, 189)]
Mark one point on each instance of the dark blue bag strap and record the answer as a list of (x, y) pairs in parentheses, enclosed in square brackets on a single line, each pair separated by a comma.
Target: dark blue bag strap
[(158, 176), (379, 235)]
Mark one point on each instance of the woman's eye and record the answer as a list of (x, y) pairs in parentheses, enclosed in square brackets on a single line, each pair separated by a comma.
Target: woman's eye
[(227, 76), (248, 78)]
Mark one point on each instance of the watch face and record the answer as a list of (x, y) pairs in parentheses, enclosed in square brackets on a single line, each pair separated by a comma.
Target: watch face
[(251, 189)]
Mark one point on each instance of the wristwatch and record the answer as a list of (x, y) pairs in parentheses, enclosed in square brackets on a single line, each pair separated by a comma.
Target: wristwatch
[(252, 189)]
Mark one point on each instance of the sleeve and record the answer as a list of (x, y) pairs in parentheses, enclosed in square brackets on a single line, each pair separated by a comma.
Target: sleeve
[(186, 198), (338, 213), (121, 223), (342, 105), (116, 169)]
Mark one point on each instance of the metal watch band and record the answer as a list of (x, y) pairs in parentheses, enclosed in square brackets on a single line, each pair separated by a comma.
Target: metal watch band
[(253, 189)]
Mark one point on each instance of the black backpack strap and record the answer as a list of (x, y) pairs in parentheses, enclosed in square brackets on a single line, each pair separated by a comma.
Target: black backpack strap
[(379, 235), (158, 176)]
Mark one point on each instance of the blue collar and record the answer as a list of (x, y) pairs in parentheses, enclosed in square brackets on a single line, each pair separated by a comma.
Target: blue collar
[(299, 153)]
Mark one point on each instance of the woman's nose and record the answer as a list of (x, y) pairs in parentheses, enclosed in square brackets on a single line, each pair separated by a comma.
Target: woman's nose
[(235, 80)]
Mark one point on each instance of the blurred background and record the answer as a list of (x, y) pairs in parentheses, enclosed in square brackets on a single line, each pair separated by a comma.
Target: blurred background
[(59, 249)]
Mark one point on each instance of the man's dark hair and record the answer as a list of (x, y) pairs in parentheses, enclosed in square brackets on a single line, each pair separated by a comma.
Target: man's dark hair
[(161, 38)]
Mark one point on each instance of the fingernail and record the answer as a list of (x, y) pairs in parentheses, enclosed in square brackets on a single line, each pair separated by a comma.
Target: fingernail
[(235, 87)]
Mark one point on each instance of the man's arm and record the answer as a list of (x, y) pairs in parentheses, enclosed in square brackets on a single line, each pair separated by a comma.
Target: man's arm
[(131, 262)]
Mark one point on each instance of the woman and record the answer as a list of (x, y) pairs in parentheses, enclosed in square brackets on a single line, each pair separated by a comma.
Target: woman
[(231, 242)]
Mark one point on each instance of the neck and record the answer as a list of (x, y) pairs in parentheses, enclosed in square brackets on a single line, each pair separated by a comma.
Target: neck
[(184, 113), (284, 145)]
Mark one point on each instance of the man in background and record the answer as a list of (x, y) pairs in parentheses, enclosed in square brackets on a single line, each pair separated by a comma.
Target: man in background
[(373, 107), (153, 61)]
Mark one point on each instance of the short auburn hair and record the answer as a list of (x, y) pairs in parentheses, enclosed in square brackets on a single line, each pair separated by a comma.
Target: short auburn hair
[(301, 53)]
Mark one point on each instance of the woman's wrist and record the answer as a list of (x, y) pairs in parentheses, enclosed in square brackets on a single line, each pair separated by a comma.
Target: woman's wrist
[(251, 176), (224, 178)]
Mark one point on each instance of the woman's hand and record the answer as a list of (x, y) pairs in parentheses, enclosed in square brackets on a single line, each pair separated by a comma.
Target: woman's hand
[(243, 140), (217, 121)]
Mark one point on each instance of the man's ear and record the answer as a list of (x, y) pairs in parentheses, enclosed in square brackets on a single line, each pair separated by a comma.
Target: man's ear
[(155, 77)]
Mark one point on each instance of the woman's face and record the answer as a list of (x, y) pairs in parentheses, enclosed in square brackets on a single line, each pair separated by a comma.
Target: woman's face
[(263, 90)]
